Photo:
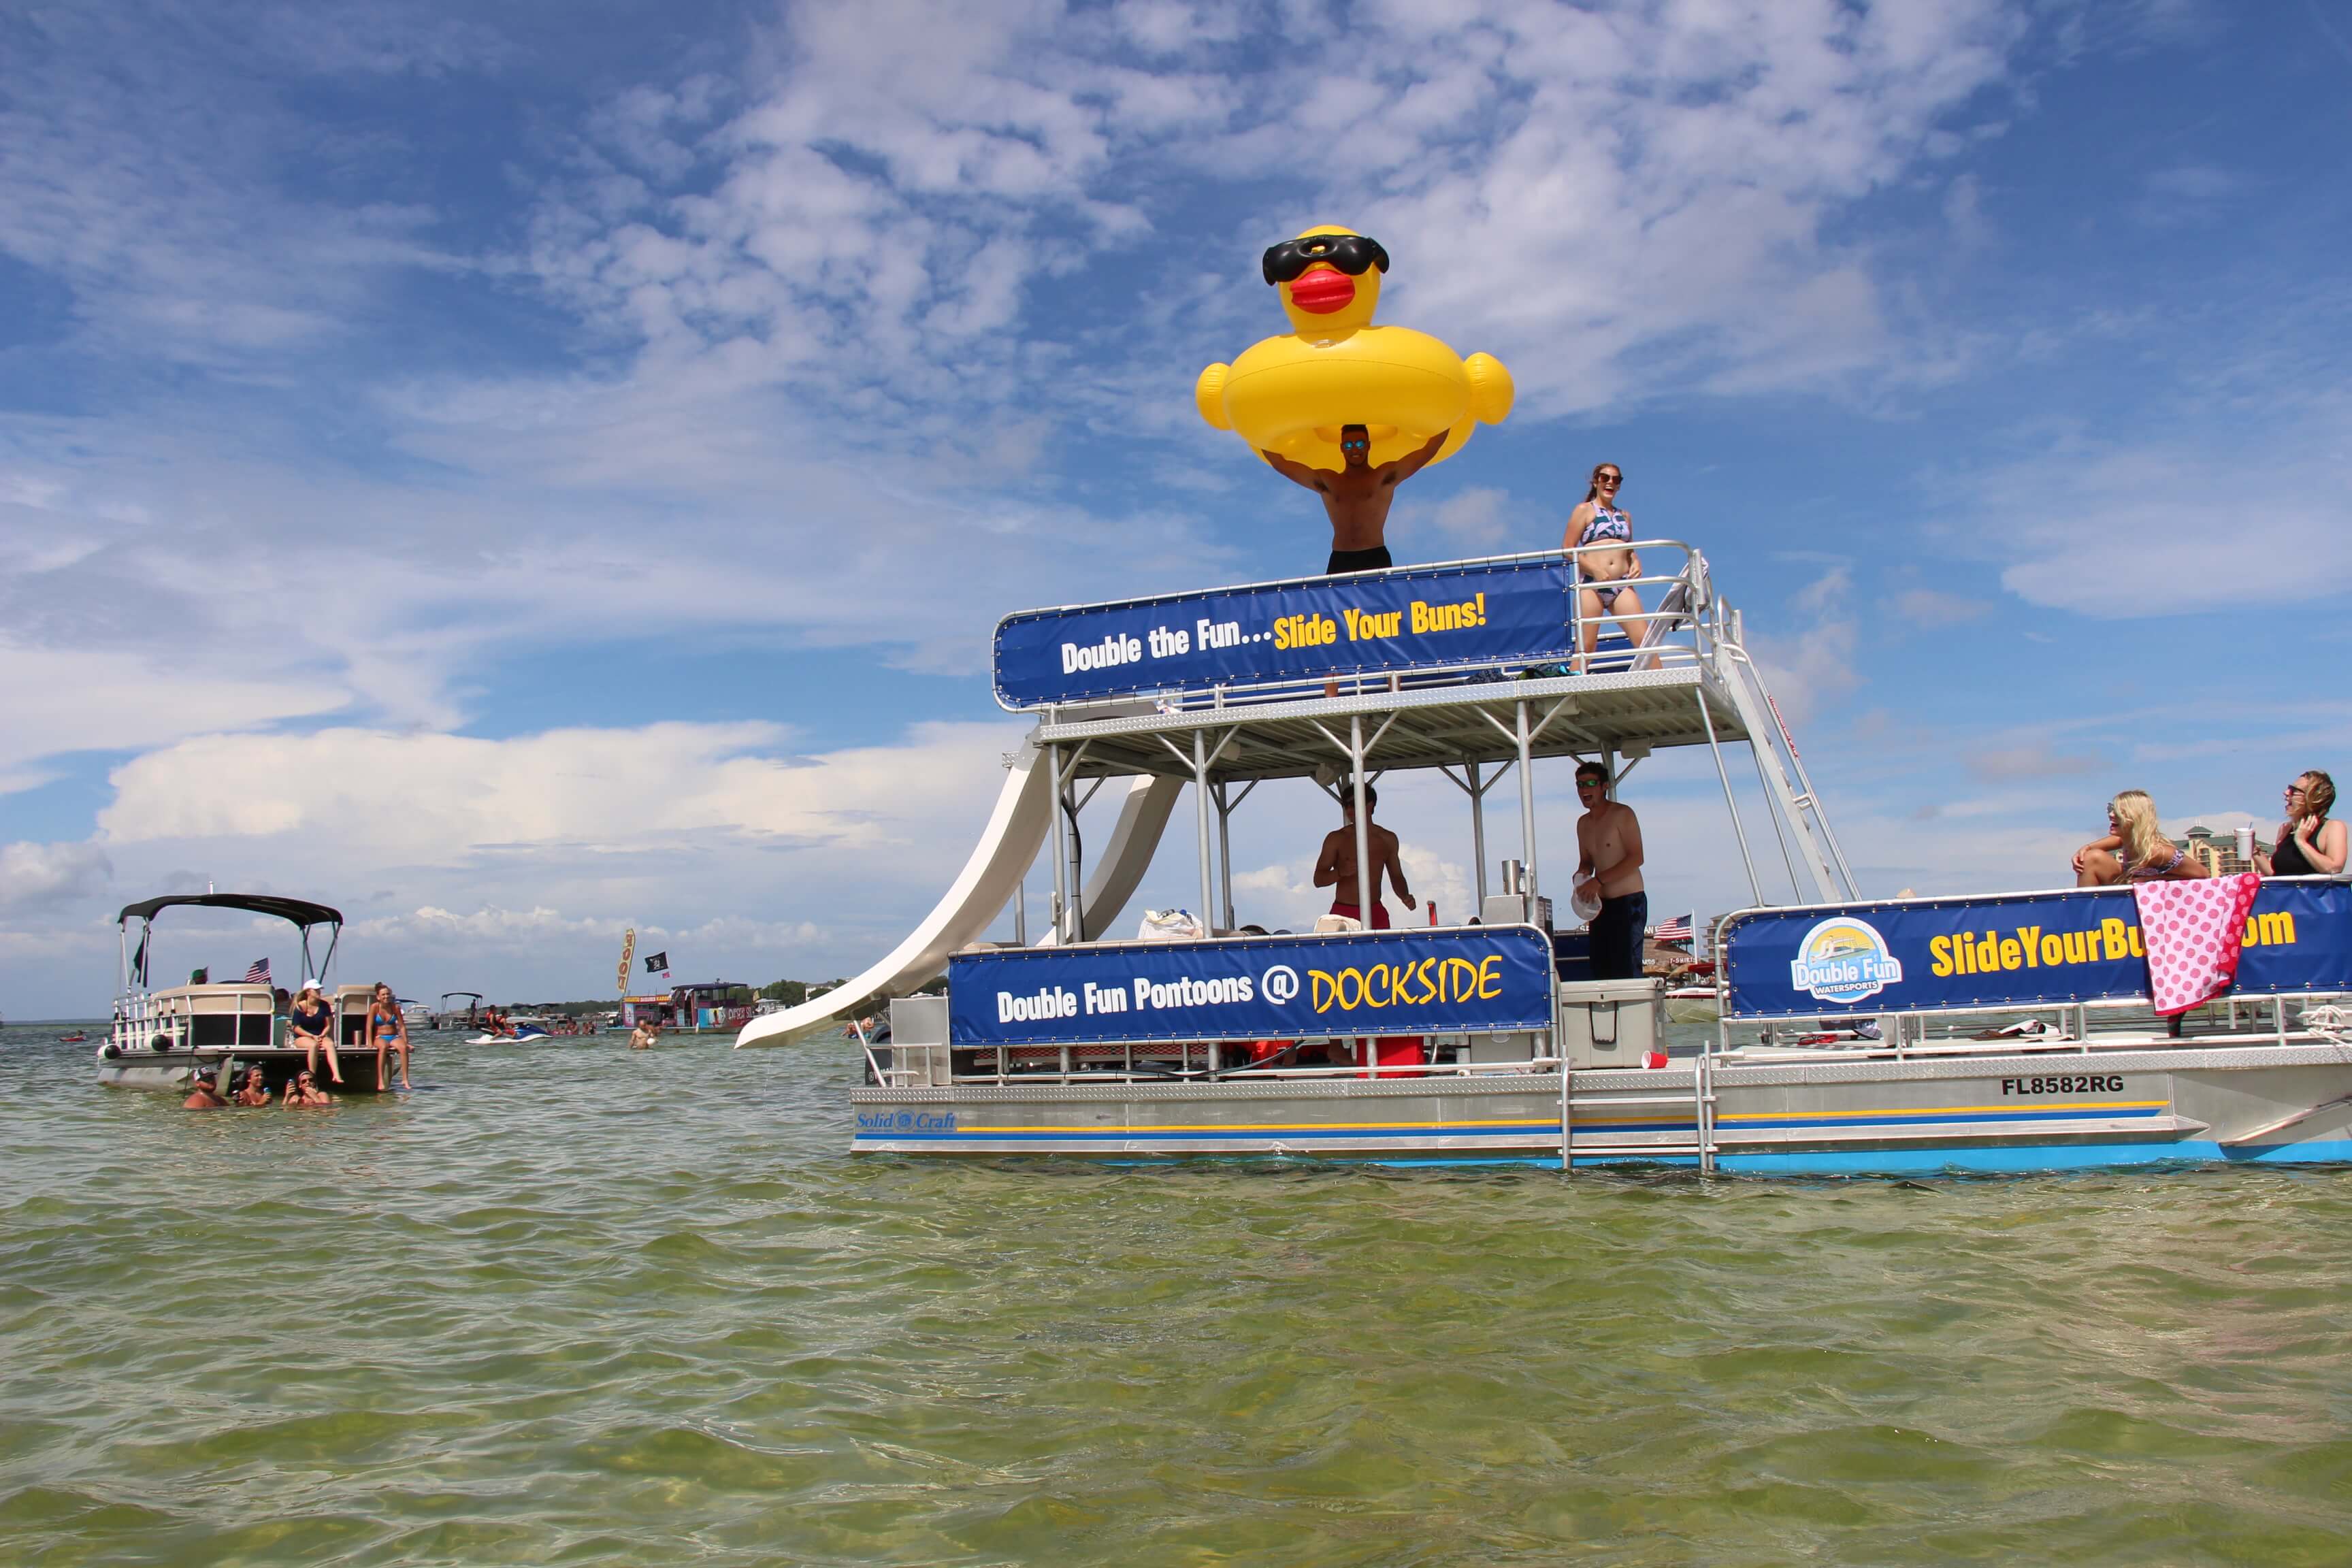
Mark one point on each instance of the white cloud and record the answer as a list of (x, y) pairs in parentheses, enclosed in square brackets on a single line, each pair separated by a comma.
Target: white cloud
[(419, 800), (1476, 520), (36, 876), (2115, 529), (1814, 661), (67, 699)]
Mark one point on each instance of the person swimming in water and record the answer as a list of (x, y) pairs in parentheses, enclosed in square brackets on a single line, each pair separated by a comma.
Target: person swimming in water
[(304, 1092), (1357, 498)]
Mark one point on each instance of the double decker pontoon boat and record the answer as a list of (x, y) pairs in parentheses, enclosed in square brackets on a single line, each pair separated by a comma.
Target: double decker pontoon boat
[(161, 1035), (1489, 1041)]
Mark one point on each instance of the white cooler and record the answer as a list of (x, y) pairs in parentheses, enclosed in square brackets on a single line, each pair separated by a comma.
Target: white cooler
[(1611, 1023)]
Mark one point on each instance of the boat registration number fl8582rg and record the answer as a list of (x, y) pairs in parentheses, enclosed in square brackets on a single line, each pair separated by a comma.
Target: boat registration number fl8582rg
[(2065, 1083)]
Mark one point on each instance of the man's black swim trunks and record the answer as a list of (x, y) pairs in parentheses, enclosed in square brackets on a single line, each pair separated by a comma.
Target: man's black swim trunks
[(1344, 561)]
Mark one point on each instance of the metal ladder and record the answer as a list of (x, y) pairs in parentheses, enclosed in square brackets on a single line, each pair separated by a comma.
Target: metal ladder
[(1816, 861), (1701, 1099)]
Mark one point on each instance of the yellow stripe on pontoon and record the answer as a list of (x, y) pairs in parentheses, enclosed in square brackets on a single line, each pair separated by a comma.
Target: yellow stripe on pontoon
[(1256, 1127)]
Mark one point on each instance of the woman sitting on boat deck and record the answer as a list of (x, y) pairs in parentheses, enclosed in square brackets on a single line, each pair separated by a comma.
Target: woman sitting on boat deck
[(387, 1032), (2308, 843), (311, 1023), (2134, 850)]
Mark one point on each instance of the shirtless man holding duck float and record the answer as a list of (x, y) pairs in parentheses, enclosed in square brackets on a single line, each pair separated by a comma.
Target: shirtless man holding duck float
[(1358, 496)]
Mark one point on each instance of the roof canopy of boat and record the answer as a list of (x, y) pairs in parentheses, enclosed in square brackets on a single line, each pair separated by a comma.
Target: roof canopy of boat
[(300, 912), (702, 988)]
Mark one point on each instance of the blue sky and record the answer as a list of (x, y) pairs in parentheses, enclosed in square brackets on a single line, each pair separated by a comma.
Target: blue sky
[(522, 472)]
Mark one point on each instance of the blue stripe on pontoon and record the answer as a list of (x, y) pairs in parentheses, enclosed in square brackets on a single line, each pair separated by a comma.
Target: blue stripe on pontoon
[(1537, 1129)]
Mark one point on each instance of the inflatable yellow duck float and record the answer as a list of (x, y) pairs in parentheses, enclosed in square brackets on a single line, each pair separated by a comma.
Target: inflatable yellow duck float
[(1290, 395)]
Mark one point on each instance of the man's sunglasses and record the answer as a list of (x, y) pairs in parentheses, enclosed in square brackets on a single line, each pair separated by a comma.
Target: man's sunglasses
[(1351, 253)]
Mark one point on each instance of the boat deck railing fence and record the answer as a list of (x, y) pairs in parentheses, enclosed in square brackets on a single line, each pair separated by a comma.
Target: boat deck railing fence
[(1676, 627)]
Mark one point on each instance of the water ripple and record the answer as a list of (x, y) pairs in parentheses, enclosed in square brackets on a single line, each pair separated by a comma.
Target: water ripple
[(575, 1305)]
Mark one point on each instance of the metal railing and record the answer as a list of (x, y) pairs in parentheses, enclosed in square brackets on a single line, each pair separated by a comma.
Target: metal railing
[(1672, 628)]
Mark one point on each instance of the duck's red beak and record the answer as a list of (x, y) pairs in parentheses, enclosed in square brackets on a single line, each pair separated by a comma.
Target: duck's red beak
[(1320, 291)]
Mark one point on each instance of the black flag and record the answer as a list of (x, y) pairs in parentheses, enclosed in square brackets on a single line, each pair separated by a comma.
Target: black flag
[(657, 961)]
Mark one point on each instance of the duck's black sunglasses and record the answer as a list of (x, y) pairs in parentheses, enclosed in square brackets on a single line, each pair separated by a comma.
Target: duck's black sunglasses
[(1351, 253)]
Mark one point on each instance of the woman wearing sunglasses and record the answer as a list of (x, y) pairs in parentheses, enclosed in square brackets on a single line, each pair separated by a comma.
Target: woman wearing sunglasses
[(304, 1092), (2308, 843), (1600, 536), (2133, 849)]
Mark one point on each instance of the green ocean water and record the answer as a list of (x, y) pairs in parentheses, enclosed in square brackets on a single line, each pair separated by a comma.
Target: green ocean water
[(572, 1305)]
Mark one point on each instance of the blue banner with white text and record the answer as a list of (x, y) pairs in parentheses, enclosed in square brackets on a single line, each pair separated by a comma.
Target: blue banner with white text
[(1414, 618), (2023, 951), (1472, 978)]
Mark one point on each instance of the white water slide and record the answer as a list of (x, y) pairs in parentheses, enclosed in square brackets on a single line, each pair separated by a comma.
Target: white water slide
[(1016, 831)]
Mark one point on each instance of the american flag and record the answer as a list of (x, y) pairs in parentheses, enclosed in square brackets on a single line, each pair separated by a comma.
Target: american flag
[(259, 973), (1675, 930)]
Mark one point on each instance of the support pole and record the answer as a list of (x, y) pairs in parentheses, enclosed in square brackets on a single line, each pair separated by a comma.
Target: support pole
[(1364, 889), (1715, 749), (1477, 836), (1061, 851), (1527, 809), (1201, 813), (1365, 886), (1225, 855), (1021, 911)]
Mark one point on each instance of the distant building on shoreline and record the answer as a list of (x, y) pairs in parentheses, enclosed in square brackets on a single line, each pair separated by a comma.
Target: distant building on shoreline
[(2218, 851)]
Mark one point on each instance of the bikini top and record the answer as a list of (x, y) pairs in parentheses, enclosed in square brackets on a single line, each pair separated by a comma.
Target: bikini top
[(2149, 871), (1607, 524)]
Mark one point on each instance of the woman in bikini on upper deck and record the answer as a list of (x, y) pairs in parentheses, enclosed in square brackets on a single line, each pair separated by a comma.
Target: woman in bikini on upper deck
[(1603, 536)]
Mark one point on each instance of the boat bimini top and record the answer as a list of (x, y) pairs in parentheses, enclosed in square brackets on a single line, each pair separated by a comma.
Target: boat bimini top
[(300, 913)]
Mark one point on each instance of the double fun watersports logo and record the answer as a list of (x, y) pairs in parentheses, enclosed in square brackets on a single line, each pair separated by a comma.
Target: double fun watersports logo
[(1843, 960)]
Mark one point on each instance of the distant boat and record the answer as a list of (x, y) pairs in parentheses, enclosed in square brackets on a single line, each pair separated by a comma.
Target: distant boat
[(76, 1038), (523, 1034)]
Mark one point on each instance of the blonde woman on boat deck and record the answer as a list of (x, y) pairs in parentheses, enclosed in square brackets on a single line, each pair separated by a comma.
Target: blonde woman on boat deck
[(386, 1032), (2308, 843), (2133, 849), (309, 1023), (1603, 535)]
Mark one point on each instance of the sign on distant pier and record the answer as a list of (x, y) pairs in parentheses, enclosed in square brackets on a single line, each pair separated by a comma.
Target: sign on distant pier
[(1509, 613)]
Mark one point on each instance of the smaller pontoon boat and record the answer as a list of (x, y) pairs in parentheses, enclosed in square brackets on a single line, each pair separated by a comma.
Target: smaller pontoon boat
[(160, 1037)]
